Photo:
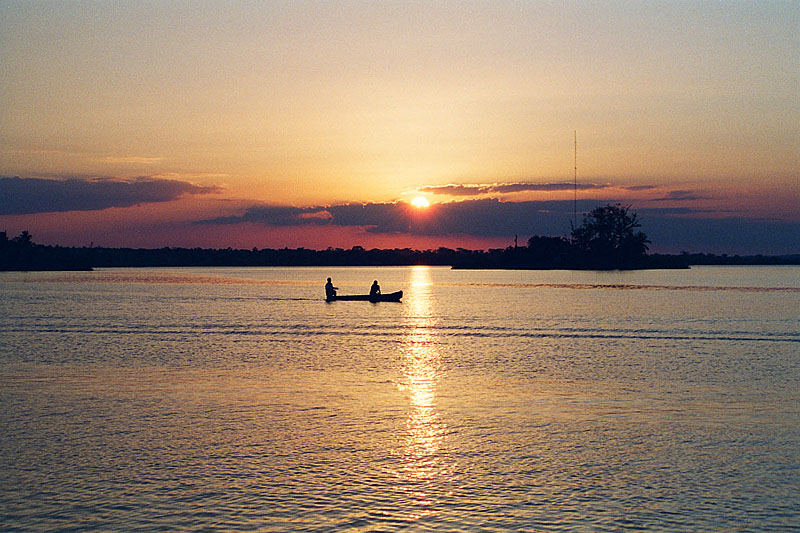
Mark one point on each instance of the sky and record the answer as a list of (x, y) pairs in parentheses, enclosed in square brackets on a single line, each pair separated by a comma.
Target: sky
[(315, 124)]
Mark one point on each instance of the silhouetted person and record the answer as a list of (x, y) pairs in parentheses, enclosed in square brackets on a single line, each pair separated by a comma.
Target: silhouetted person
[(375, 289), (330, 290)]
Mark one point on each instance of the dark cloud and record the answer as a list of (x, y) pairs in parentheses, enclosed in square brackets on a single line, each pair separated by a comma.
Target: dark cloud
[(505, 188), (19, 196), (720, 235), (274, 216), (508, 188), (670, 229), (486, 218), (454, 190), (681, 196), (672, 211)]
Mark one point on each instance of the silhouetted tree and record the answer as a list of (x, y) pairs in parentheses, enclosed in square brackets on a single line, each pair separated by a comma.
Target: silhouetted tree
[(609, 238), (544, 251), (24, 240), (21, 253)]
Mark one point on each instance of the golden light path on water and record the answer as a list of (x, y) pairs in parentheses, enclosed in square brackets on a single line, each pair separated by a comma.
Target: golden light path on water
[(422, 467)]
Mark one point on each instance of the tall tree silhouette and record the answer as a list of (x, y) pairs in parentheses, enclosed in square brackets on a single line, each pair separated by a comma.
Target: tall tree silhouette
[(608, 237)]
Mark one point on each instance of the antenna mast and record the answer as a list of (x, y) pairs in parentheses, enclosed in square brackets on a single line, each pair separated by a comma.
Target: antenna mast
[(575, 177)]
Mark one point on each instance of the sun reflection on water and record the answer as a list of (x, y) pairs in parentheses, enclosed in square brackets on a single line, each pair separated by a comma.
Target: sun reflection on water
[(422, 466)]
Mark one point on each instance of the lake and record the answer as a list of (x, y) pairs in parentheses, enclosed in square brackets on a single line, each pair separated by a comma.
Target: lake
[(238, 399)]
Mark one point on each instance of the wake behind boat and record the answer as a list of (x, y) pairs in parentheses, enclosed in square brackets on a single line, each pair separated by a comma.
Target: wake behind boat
[(388, 297)]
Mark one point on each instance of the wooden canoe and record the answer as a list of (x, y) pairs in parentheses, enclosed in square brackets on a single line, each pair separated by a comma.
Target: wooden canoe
[(388, 297)]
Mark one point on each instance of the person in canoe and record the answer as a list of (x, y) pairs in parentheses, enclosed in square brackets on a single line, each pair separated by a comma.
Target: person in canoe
[(330, 290), (375, 290)]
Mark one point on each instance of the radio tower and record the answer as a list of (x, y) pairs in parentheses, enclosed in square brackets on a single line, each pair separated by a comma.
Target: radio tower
[(575, 177)]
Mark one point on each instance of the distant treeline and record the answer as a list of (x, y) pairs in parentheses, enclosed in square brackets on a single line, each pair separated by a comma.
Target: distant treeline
[(21, 253), (725, 259), (356, 256), (548, 253), (559, 253)]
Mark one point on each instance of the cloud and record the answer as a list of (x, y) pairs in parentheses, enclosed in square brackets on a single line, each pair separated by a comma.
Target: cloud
[(670, 229), (504, 188), (720, 235), (275, 216), (516, 187), (681, 196), (19, 196), (681, 211), (485, 217)]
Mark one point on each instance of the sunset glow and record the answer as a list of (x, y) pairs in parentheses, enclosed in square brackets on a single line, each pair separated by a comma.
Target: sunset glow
[(687, 111), (420, 202)]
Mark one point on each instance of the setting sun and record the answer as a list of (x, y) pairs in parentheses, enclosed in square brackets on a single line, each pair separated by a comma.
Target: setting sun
[(420, 202)]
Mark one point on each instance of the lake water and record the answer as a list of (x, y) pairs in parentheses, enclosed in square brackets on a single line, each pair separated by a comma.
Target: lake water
[(237, 399)]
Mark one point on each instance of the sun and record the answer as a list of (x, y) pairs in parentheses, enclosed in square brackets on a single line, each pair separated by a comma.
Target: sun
[(420, 202)]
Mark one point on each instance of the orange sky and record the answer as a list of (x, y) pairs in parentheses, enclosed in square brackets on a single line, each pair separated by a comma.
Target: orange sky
[(692, 104)]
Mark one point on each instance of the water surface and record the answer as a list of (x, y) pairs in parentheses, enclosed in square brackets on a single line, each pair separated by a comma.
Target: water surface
[(237, 399)]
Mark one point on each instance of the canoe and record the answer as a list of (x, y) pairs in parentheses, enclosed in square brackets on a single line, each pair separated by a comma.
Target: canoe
[(389, 297)]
